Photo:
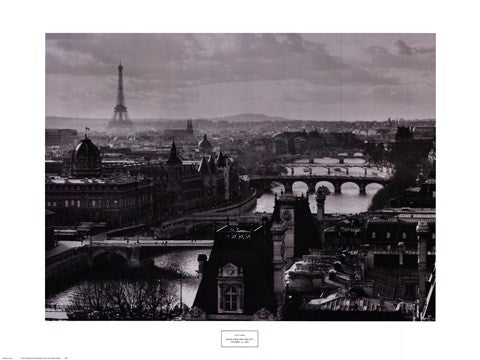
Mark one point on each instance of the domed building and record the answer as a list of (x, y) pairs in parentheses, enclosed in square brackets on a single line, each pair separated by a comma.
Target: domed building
[(88, 195), (86, 160), (205, 146)]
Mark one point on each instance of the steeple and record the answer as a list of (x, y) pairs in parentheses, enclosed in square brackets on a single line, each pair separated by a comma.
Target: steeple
[(221, 160), (203, 168), (173, 158)]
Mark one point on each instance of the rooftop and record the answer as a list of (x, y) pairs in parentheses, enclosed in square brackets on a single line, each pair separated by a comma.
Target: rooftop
[(119, 180)]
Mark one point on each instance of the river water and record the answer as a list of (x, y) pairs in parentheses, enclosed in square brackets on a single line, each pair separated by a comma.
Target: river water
[(348, 202), (185, 261)]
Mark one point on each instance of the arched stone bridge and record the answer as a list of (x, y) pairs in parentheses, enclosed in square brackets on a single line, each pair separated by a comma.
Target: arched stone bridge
[(329, 168), (341, 156), (135, 253), (264, 182)]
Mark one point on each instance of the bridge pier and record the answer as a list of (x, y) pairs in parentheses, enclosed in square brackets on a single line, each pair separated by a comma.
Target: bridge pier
[(311, 161), (338, 188), (363, 189), (288, 187), (347, 170), (329, 170), (342, 160), (311, 188)]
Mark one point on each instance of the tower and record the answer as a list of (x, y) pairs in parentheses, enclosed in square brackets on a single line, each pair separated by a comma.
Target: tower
[(286, 205), (120, 121), (422, 234), (278, 238), (322, 193), (173, 158)]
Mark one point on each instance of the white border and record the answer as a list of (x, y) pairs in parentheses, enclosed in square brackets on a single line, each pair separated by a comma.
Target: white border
[(24, 332)]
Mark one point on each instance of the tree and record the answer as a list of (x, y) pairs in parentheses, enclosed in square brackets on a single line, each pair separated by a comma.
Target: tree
[(123, 300)]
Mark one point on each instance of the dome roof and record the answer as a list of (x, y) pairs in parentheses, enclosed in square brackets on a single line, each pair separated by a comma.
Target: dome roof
[(86, 159), (204, 144)]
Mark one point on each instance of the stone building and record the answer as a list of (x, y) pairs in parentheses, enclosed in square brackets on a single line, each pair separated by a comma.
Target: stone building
[(88, 196), (244, 278)]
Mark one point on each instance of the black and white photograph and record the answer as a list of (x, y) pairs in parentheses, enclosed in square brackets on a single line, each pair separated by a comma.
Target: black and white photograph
[(239, 180), (240, 177)]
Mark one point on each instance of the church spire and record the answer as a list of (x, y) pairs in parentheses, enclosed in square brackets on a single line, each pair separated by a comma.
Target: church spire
[(173, 158)]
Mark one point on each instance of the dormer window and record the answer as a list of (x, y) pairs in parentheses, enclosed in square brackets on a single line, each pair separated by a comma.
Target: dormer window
[(404, 236), (388, 235), (230, 289), (374, 235)]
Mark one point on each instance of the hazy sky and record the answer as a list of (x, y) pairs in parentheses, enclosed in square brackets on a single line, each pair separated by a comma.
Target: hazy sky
[(300, 76)]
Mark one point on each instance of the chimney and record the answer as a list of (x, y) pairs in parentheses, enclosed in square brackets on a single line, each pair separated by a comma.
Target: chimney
[(422, 234), (202, 259), (322, 193), (381, 301), (401, 252)]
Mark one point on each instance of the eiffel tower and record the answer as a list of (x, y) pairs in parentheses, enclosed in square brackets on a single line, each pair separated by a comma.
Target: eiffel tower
[(120, 121)]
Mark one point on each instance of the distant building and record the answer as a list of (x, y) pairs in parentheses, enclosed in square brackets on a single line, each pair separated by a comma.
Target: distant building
[(424, 132), (58, 137), (205, 147), (179, 133)]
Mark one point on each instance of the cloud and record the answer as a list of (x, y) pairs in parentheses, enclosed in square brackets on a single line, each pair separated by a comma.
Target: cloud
[(404, 49), (402, 56), (214, 74)]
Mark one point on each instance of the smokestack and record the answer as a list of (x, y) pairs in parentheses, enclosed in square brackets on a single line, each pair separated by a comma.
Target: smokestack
[(422, 234)]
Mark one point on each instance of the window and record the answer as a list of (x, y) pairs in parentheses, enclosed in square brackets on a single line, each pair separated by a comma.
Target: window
[(231, 299), (54, 204), (374, 235), (48, 203), (433, 236), (404, 236), (388, 235), (78, 203), (94, 203), (230, 289), (66, 203), (72, 202)]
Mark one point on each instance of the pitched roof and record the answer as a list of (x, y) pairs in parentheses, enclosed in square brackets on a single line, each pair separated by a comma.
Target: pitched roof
[(248, 247)]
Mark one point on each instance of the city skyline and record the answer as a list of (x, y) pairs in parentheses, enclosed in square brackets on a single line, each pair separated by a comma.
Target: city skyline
[(334, 77)]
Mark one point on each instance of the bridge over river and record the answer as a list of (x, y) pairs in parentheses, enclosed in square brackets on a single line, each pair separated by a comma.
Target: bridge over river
[(264, 182), (137, 251)]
